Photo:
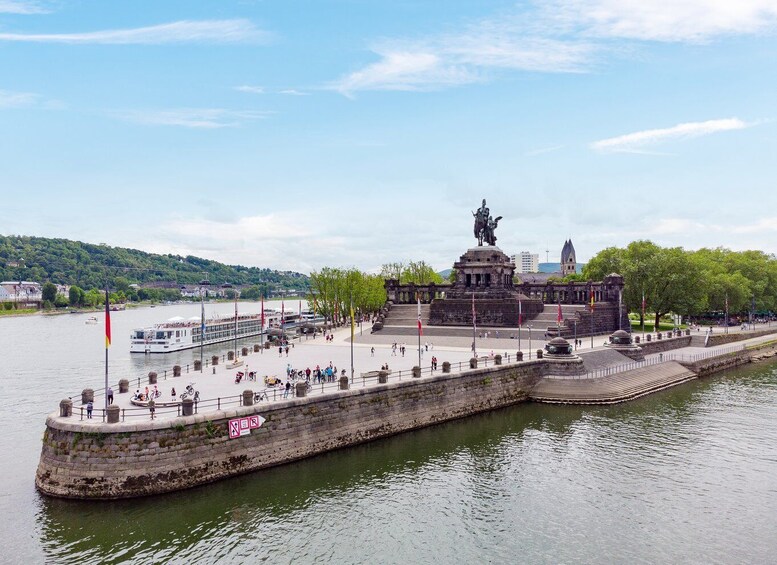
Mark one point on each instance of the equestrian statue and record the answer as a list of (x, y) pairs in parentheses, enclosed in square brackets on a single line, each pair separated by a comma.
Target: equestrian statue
[(485, 225)]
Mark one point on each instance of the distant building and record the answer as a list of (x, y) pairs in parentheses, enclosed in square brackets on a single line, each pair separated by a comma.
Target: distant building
[(526, 262), (568, 259), (24, 292)]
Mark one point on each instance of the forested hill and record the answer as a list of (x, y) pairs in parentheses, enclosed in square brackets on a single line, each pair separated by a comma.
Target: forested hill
[(62, 261)]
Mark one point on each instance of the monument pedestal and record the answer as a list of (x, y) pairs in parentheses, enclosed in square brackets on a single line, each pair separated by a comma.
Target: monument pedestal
[(485, 273)]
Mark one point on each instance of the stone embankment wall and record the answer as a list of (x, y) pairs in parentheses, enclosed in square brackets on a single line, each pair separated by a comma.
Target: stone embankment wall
[(124, 460), (665, 344)]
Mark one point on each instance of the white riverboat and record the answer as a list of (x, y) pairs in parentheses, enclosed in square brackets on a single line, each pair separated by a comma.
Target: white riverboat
[(180, 333)]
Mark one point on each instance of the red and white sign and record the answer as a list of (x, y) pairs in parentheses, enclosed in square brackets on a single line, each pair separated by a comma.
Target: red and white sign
[(242, 426)]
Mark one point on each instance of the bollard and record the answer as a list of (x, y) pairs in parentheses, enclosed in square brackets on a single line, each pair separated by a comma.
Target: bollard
[(123, 386), (187, 407), (87, 395), (473, 363), (497, 359), (687, 332), (248, 398), (301, 390), (177, 371), (446, 367), (230, 355), (416, 372), (344, 383), (539, 354), (244, 351), (214, 360), (65, 408), (648, 337), (382, 377), (636, 339), (256, 348), (113, 413), (152, 378), (659, 335), (519, 356), (198, 365)]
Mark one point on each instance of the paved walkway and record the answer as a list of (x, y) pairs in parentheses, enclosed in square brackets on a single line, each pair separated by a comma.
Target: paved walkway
[(219, 389)]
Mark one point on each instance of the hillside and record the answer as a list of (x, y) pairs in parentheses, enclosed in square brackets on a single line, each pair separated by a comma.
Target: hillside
[(62, 261)]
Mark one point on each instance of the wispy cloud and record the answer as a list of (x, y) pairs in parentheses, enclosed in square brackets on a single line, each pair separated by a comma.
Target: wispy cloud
[(554, 36), (198, 118), (250, 89), (293, 92), (9, 99), (637, 141), (185, 31), (23, 7), (663, 20)]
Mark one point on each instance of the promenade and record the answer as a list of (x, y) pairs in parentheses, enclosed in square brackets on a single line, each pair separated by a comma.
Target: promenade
[(218, 390)]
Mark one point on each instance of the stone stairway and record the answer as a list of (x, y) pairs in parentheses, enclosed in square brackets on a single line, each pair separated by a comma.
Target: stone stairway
[(548, 318), (613, 388), (407, 315)]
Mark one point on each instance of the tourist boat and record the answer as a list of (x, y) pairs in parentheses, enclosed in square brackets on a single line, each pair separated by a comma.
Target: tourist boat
[(92, 320), (179, 333)]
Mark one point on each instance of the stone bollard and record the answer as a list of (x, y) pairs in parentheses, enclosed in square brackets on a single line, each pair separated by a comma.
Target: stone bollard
[(687, 332), (648, 337), (659, 335), (244, 351), (248, 398), (636, 339), (113, 413), (123, 386), (473, 363), (214, 360), (382, 377), (152, 378), (519, 356), (187, 407), (267, 345), (230, 355), (301, 390), (416, 372), (87, 395), (65, 408), (539, 354), (497, 359), (256, 348), (176, 370), (446, 367), (198, 365), (344, 383)]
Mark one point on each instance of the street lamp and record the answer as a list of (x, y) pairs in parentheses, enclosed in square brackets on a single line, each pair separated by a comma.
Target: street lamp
[(203, 283), (529, 326)]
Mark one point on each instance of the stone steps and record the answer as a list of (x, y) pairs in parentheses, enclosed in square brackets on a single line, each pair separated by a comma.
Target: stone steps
[(611, 389)]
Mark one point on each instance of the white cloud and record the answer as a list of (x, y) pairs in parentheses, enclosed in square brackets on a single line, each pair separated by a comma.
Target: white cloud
[(250, 89), (293, 92), (635, 142), (9, 99), (211, 31), (198, 118), (23, 7), (663, 20)]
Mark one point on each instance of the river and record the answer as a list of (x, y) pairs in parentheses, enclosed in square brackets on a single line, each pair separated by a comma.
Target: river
[(688, 475)]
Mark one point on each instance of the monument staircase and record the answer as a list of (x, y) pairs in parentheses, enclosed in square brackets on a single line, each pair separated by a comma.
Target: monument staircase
[(548, 318), (407, 315)]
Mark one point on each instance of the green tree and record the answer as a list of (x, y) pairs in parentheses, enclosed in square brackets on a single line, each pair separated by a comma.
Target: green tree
[(49, 292), (75, 296), (419, 272)]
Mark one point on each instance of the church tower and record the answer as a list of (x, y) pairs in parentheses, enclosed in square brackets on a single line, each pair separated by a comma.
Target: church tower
[(568, 259)]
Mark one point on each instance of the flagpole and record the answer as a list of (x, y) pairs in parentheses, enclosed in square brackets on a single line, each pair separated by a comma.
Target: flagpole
[(107, 340), (592, 318), (474, 328), (520, 317), (418, 298), (261, 330), (643, 314), (352, 328)]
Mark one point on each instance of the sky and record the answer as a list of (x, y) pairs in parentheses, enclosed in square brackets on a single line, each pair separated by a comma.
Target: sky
[(296, 135)]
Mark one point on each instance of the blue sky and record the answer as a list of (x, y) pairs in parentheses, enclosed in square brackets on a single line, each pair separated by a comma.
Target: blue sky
[(296, 135)]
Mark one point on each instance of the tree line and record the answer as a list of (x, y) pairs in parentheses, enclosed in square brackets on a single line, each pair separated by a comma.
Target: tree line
[(693, 283), (88, 266)]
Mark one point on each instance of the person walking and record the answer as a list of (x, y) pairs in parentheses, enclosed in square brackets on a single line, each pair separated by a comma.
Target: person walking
[(288, 388), (110, 395), (89, 408), (372, 352)]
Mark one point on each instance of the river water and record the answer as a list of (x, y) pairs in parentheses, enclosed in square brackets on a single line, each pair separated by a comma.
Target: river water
[(684, 476)]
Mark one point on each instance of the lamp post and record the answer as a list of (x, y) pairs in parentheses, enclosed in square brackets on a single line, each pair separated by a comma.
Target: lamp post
[(203, 283), (20, 265), (529, 326), (575, 324)]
